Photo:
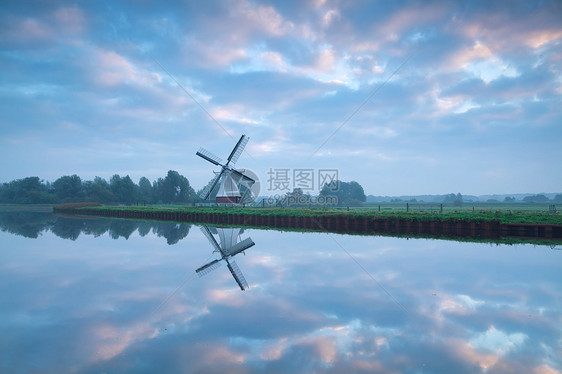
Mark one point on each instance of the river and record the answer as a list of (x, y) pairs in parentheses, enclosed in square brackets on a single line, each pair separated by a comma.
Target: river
[(117, 296)]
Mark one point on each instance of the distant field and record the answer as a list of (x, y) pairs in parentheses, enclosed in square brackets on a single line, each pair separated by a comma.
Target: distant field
[(466, 207)]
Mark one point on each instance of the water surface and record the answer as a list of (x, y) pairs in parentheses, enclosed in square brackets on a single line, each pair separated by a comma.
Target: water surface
[(103, 295)]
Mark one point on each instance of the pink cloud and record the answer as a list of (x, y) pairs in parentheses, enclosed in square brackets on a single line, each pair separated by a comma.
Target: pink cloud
[(48, 27), (70, 19), (539, 38), (464, 56), (34, 29), (216, 54), (114, 69), (502, 32), (264, 18), (411, 17)]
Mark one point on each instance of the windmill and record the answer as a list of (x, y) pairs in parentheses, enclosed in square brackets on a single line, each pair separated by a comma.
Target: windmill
[(228, 248), (230, 178)]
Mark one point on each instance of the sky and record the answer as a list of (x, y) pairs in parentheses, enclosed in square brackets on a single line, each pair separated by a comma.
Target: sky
[(403, 97)]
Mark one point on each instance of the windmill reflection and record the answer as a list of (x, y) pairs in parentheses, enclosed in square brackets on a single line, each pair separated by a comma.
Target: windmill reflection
[(229, 247)]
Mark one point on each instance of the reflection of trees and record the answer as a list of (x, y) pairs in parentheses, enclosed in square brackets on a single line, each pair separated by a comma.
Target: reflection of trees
[(67, 228), (144, 228), (122, 228), (31, 224), (96, 226), (172, 231), (28, 224)]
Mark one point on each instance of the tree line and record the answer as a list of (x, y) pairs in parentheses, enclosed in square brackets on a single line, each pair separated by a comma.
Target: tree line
[(335, 193), (174, 188), (459, 200)]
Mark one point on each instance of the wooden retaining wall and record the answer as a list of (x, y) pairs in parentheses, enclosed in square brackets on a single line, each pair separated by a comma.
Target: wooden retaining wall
[(341, 224)]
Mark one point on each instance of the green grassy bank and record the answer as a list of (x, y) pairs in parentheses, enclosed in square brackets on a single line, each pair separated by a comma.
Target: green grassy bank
[(478, 216)]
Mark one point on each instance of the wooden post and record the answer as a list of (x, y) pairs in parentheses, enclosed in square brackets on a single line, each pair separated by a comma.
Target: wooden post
[(441, 209), (407, 207)]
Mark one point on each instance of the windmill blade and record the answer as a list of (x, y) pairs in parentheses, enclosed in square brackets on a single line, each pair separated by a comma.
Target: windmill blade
[(211, 238), (248, 197), (237, 150), (242, 246), (203, 153), (242, 177), (209, 187), (206, 269), (237, 274)]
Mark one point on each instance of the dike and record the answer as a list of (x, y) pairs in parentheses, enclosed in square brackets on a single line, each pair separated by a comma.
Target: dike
[(341, 224)]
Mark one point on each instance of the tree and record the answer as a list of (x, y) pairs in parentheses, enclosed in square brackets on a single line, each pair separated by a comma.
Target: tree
[(30, 190), (145, 190), (535, 199), (451, 198), (69, 188), (174, 188), (509, 199), (558, 198), (347, 193), (124, 189), (98, 190), (297, 198)]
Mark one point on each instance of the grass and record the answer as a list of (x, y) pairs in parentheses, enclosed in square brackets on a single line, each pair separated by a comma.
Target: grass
[(450, 214), (466, 207)]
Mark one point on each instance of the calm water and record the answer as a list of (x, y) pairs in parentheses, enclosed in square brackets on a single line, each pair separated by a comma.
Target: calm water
[(114, 296)]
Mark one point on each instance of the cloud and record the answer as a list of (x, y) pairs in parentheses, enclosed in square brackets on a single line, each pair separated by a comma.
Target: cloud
[(114, 70), (30, 31), (498, 342), (287, 75), (70, 19), (263, 18)]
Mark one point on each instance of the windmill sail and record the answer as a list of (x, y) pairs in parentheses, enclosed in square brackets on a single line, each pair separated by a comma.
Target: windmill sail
[(228, 248), (206, 269), (240, 176), (237, 274), (242, 246), (208, 156), (209, 187), (238, 149), (211, 238), (229, 178)]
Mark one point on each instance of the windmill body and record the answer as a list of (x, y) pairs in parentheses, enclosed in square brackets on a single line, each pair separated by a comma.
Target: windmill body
[(229, 178), (229, 245), (228, 192)]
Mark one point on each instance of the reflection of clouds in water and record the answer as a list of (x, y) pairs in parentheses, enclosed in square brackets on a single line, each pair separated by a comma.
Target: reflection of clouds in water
[(470, 309)]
